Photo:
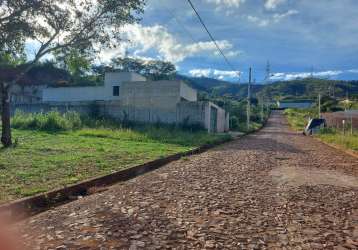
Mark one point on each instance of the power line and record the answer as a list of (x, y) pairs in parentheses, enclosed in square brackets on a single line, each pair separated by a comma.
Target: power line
[(211, 37), (179, 23)]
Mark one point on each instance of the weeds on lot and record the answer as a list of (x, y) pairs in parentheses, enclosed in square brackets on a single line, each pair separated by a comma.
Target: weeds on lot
[(56, 149), (335, 136), (52, 121)]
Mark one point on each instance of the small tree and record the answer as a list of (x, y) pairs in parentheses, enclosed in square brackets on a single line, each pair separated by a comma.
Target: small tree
[(57, 25)]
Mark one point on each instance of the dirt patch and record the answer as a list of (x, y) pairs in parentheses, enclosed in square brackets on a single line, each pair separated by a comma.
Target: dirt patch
[(294, 176)]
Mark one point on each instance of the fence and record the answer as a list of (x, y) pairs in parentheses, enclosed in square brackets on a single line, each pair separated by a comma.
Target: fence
[(344, 121)]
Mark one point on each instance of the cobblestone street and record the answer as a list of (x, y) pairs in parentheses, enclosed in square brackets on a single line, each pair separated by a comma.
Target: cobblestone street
[(275, 189)]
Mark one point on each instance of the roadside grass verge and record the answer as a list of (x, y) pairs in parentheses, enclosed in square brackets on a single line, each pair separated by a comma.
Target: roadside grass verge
[(332, 136), (297, 118), (44, 160)]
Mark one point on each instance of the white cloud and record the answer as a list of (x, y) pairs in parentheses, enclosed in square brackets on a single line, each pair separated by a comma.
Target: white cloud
[(260, 22), (272, 4), (301, 75), (354, 71), (200, 72), (227, 3), (146, 39), (215, 73), (276, 18)]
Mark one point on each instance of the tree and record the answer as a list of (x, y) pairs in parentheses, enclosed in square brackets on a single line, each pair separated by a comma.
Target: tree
[(57, 25), (77, 63), (153, 69)]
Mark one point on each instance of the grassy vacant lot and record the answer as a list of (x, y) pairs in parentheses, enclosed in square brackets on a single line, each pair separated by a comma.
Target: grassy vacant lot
[(297, 118), (44, 160)]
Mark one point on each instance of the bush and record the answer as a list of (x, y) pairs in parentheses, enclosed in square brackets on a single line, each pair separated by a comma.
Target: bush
[(189, 126), (74, 119), (51, 121), (234, 122)]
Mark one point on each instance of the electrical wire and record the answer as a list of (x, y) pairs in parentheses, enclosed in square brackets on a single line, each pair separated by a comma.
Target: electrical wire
[(212, 38)]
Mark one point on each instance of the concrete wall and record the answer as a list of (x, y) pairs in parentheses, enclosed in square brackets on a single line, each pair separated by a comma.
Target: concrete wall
[(26, 93), (100, 93), (221, 120), (200, 112), (139, 100), (190, 112), (151, 101), (193, 113), (74, 94), (82, 108), (131, 86), (188, 93)]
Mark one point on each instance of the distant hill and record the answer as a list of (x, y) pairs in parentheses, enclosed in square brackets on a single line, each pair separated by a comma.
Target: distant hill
[(310, 88), (295, 89), (203, 83), (219, 87)]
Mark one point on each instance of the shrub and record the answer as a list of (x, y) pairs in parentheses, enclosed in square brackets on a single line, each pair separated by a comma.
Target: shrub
[(234, 122), (327, 131), (74, 119), (191, 126), (51, 121)]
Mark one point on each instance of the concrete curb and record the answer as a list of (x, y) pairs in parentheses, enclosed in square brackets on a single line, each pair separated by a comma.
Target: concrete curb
[(29, 206)]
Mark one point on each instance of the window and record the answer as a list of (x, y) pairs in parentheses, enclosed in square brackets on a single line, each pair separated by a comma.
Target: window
[(115, 90)]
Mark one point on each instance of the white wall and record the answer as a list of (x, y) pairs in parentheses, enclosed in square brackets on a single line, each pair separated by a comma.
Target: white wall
[(96, 93), (117, 79), (159, 94), (74, 94), (188, 93)]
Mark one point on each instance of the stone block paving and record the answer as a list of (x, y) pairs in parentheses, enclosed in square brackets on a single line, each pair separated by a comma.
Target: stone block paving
[(275, 189)]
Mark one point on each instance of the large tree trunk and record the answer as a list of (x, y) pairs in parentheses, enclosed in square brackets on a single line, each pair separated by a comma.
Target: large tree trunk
[(5, 116)]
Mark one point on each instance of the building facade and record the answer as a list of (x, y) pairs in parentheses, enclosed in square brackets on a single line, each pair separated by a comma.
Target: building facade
[(127, 95)]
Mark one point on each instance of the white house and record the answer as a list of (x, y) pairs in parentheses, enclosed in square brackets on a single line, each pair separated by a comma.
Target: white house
[(108, 92), (127, 95)]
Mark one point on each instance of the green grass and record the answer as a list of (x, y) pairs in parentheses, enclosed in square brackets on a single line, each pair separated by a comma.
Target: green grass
[(297, 118), (242, 127), (41, 160), (347, 141)]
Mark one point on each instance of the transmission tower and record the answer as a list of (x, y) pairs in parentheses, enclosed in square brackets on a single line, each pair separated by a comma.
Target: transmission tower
[(248, 107)]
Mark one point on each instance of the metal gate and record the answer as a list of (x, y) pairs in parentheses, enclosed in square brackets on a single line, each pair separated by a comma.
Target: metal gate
[(213, 119)]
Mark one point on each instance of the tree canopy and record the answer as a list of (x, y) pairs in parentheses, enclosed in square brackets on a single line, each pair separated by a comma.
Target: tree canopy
[(153, 69), (55, 26)]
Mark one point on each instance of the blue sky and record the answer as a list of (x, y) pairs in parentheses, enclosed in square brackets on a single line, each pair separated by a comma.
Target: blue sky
[(294, 35)]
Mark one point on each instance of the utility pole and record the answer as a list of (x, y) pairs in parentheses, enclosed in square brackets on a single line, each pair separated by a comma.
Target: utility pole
[(262, 110), (319, 105), (268, 72), (248, 108)]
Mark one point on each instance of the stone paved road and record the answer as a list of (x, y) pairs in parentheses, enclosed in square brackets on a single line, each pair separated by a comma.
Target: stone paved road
[(271, 190)]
